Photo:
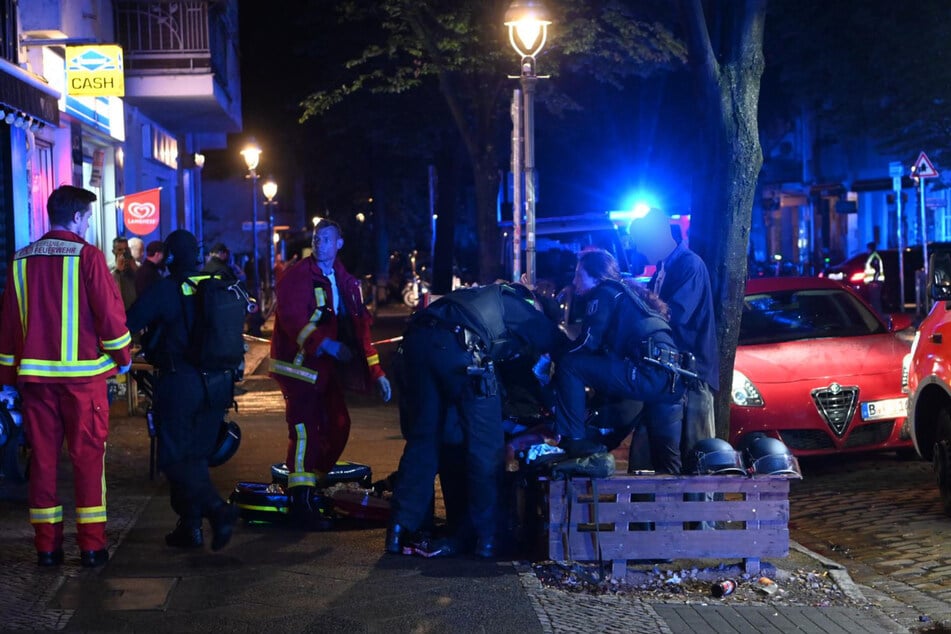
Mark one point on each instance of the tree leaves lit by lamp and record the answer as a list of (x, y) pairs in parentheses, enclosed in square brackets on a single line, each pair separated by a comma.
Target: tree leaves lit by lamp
[(528, 22)]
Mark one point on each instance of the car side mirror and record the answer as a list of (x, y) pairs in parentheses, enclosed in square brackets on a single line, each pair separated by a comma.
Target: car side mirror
[(899, 321)]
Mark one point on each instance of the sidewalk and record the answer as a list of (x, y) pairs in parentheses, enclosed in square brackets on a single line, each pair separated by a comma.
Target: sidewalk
[(272, 578)]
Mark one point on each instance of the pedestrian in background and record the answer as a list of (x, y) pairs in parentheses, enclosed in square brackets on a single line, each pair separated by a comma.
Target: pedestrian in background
[(64, 334), (152, 269), (123, 270), (320, 345), (188, 401), (874, 278), (137, 249)]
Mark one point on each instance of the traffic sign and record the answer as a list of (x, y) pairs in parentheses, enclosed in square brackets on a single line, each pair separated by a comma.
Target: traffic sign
[(924, 168)]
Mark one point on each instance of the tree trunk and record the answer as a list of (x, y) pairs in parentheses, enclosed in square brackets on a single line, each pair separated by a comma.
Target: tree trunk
[(486, 176), (723, 197)]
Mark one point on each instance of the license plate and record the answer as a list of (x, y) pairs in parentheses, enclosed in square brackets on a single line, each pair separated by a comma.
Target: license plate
[(887, 408)]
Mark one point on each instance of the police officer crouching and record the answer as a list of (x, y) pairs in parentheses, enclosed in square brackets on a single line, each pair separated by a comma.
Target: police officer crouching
[(188, 403), (449, 354), (625, 351)]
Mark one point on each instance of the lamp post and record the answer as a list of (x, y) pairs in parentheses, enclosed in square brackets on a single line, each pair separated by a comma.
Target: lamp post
[(270, 191), (252, 156), (527, 22)]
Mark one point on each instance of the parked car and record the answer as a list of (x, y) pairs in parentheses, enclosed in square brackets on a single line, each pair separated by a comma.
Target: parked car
[(929, 376), (819, 369), (852, 273)]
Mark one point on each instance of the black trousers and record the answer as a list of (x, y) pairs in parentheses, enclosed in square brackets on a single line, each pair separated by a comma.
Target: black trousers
[(189, 407), (436, 382)]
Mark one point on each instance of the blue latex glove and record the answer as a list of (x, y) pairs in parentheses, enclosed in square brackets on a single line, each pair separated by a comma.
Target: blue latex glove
[(123, 369), (335, 349), (385, 391)]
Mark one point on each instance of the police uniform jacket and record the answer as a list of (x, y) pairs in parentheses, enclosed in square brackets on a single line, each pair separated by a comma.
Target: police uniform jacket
[(504, 325), (164, 309), (63, 318), (618, 322)]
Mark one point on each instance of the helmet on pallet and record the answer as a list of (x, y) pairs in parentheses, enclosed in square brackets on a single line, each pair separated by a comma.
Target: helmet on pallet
[(229, 438), (769, 456), (746, 440), (713, 455)]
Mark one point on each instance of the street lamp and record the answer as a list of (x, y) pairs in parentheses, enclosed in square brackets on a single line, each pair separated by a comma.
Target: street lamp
[(527, 22), (252, 155), (270, 191)]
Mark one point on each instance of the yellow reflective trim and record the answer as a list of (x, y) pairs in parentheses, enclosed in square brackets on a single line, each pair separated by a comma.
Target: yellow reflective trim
[(19, 282), (373, 359), (300, 447), (46, 367), (190, 289), (69, 326), (118, 343), (6, 359), (91, 515), (270, 509), (306, 330), (302, 479), (49, 515)]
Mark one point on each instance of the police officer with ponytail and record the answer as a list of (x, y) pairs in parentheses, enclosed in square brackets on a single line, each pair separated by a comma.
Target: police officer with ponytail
[(625, 351)]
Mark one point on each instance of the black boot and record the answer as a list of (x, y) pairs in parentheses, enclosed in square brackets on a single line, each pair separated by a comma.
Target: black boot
[(306, 512), (187, 534)]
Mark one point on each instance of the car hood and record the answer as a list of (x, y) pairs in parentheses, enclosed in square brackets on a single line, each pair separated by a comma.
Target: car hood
[(819, 358)]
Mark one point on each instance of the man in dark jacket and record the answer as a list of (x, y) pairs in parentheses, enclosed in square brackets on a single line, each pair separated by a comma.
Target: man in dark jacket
[(449, 353), (152, 268), (189, 402)]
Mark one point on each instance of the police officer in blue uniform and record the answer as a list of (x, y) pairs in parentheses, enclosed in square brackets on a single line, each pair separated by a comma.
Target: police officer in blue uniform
[(625, 351), (189, 404), (449, 353)]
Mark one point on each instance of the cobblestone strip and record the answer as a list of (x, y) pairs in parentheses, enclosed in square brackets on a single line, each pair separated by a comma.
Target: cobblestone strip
[(561, 612), (26, 590)]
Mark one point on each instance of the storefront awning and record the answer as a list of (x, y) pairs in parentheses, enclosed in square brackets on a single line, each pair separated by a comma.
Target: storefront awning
[(881, 184), (25, 96)]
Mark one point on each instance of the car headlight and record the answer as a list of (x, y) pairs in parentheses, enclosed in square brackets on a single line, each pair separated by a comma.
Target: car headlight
[(905, 368), (744, 392)]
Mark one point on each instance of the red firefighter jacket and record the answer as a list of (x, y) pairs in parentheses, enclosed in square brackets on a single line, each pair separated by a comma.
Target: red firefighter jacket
[(63, 320), (305, 317)]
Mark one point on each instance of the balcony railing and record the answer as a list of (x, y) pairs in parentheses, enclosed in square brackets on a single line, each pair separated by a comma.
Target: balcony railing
[(165, 36)]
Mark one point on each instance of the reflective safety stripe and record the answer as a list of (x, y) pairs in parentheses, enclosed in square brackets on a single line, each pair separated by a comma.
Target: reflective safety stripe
[(191, 289), (373, 359), (46, 367), (300, 447), (301, 479), (69, 320), (6, 359), (269, 509), (91, 515), (19, 282), (118, 343), (306, 330), (49, 515)]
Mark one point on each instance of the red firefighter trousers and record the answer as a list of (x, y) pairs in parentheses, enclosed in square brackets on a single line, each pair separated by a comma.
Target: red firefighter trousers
[(318, 426), (79, 414)]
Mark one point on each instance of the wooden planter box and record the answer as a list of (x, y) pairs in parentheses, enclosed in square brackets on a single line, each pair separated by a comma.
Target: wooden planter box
[(647, 517)]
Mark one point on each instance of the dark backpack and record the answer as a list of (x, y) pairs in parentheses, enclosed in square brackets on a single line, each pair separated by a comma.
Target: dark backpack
[(216, 338)]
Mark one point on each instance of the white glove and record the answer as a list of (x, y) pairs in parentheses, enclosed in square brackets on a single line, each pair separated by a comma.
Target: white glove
[(335, 349), (385, 391), (123, 369)]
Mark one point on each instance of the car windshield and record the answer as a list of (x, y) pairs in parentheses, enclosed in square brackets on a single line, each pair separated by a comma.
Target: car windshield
[(790, 315)]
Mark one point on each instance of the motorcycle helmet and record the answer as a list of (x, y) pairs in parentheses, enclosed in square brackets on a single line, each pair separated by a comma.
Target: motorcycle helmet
[(713, 455), (744, 442), (229, 438), (769, 456)]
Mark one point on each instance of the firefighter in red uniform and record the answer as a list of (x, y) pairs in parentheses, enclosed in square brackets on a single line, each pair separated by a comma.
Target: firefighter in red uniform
[(321, 345), (64, 334)]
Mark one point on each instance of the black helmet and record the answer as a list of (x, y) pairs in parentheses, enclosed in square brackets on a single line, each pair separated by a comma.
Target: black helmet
[(181, 252), (229, 438), (743, 444), (769, 456), (713, 455)]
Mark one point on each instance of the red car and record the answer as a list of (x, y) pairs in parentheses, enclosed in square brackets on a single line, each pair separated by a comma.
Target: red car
[(817, 368)]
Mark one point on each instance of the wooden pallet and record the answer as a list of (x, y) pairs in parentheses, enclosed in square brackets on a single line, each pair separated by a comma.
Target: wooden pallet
[(647, 517)]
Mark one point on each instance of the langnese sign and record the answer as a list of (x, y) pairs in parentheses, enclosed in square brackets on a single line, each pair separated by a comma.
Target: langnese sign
[(95, 70), (140, 211)]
